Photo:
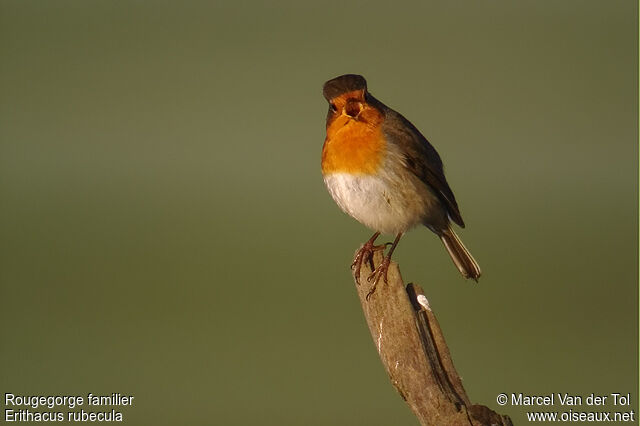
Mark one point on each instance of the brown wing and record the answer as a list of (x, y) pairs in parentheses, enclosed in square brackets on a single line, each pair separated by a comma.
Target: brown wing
[(421, 158)]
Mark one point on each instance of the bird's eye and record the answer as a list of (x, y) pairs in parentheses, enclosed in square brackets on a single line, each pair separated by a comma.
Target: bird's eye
[(333, 107)]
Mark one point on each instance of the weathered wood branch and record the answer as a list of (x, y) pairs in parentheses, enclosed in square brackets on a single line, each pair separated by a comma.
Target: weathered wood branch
[(414, 352)]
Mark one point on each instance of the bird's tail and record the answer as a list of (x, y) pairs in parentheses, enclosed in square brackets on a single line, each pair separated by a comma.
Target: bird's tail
[(461, 257)]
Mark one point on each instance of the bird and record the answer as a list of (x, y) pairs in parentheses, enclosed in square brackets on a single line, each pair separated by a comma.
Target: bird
[(383, 172)]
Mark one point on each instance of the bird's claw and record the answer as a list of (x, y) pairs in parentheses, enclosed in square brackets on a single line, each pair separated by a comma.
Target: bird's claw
[(379, 272), (365, 254)]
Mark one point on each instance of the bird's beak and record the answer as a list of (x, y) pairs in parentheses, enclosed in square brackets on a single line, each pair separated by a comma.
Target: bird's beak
[(352, 109)]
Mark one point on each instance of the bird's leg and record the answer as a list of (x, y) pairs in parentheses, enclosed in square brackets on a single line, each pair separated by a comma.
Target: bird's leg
[(381, 270), (365, 254)]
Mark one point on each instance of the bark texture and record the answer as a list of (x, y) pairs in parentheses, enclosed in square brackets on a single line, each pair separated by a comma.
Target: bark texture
[(413, 350)]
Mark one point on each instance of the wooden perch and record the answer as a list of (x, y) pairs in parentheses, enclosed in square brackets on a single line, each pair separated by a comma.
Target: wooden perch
[(414, 352)]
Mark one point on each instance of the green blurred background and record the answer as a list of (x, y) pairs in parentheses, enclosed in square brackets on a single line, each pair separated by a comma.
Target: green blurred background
[(165, 232)]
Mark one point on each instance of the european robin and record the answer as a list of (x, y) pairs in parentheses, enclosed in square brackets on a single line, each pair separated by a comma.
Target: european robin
[(385, 174)]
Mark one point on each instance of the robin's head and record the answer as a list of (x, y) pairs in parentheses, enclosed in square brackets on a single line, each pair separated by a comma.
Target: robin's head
[(347, 95)]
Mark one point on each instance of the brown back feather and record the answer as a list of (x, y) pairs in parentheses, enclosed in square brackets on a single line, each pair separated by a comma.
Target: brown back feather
[(421, 158)]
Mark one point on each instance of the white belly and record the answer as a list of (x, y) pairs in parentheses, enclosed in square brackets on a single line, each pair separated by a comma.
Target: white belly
[(388, 204)]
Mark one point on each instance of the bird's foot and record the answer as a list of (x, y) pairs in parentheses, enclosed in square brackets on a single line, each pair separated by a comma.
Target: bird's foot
[(379, 272), (365, 254)]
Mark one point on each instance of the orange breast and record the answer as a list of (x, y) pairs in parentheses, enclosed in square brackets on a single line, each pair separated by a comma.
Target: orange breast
[(354, 146)]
